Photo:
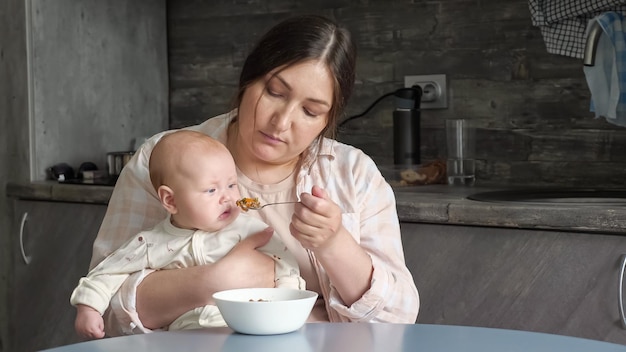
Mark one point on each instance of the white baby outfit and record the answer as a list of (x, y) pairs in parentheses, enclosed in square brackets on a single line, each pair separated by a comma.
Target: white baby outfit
[(168, 247)]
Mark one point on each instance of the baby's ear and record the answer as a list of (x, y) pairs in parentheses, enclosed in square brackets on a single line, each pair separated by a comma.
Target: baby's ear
[(166, 196)]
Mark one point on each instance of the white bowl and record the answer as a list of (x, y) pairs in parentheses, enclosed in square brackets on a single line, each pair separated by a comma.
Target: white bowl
[(265, 311)]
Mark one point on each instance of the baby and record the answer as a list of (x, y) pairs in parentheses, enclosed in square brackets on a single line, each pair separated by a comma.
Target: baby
[(196, 181)]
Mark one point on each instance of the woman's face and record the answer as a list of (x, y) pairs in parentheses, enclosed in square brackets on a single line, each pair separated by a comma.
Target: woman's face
[(281, 114)]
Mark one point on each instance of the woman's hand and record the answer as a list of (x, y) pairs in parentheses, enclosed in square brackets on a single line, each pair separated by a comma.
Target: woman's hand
[(245, 266), (316, 220), (316, 223)]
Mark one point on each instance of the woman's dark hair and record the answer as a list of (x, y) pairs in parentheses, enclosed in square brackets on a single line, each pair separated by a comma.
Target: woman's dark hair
[(303, 38)]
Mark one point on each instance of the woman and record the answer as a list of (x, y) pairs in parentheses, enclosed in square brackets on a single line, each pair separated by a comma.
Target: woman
[(344, 232)]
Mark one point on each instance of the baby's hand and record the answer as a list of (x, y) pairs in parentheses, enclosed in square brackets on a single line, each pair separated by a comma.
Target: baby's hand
[(89, 323)]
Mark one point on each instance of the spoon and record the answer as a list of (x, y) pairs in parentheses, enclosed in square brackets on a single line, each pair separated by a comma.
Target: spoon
[(253, 203), (264, 205)]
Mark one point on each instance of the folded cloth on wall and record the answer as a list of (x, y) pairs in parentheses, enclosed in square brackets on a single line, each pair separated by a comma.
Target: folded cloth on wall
[(563, 22), (607, 77)]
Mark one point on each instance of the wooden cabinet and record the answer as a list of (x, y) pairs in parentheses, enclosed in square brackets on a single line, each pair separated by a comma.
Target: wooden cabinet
[(53, 245), (545, 281)]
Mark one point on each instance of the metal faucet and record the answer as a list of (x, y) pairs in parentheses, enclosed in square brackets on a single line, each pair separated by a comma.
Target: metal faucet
[(595, 31)]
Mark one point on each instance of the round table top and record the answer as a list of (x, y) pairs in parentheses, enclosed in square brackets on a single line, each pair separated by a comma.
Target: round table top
[(346, 337)]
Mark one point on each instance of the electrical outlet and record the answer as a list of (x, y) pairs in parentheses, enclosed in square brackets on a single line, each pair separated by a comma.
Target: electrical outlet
[(434, 90)]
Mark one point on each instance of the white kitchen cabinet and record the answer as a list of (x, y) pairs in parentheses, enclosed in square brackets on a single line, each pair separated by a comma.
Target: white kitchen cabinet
[(545, 281), (52, 248)]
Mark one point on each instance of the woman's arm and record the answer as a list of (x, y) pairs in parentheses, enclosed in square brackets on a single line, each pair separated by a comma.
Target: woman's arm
[(166, 294), (133, 206), (361, 263), (318, 225)]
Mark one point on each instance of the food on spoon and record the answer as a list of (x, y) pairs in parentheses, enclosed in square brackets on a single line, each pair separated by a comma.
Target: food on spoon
[(248, 203)]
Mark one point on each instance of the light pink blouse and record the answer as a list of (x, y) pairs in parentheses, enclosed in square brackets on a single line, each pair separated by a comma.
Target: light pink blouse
[(351, 179)]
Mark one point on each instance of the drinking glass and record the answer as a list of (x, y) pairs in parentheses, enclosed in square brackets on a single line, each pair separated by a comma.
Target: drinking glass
[(460, 137)]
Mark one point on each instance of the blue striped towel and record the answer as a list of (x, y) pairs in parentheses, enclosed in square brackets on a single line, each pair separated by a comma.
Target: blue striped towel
[(607, 78)]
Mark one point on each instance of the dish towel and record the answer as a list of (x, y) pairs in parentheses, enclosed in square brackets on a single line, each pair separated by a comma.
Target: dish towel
[(607, 78), (563, 22)]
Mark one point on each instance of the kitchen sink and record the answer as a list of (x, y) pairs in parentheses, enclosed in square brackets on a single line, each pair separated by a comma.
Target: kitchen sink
[(567, 196)]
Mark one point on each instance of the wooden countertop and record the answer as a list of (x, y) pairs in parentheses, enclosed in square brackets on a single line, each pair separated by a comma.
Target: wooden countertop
[(58, 192), (427, 204), (449, 205)]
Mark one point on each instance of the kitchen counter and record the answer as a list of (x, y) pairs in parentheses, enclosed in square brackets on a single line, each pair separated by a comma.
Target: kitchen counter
[(483, 272), (425, 204), (449, 204), (57, 192)]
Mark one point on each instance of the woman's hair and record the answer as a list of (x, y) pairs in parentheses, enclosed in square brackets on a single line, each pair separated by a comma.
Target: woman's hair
[(304, 38)]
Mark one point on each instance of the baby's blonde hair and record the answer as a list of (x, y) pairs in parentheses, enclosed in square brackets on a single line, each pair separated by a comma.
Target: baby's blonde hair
[(169, 152)]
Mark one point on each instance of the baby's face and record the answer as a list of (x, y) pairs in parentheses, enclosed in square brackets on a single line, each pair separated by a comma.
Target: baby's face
[(205, 193)]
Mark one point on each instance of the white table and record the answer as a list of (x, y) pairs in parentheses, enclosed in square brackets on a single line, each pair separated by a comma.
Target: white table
[(347, 337)]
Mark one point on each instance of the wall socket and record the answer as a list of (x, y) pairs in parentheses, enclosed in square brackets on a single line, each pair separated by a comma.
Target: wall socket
[(434, 90)]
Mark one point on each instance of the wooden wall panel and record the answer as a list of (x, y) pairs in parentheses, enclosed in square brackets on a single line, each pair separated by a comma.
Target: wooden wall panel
[(531, 107)]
